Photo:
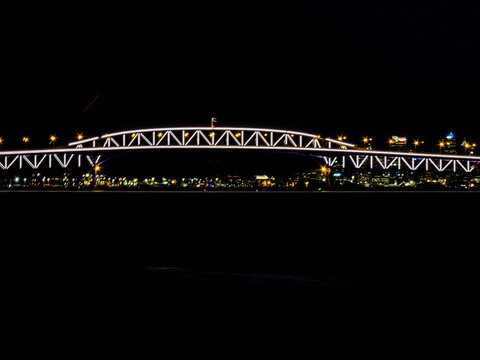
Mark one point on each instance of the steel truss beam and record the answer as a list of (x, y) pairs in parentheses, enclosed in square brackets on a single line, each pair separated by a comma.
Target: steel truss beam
[(334, 152), (403, 162), (205, 136), (34, 161)]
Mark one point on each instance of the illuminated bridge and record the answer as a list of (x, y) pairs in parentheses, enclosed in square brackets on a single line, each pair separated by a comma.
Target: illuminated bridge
[(91, 151)]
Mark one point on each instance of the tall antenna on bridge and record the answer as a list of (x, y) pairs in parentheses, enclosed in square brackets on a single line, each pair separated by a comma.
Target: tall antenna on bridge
[(214, 120)]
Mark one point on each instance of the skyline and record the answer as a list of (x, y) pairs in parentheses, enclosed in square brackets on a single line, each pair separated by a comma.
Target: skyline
[(367, 69)]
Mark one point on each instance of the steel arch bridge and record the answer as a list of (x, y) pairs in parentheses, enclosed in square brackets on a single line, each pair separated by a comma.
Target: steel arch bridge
[(91, 151)]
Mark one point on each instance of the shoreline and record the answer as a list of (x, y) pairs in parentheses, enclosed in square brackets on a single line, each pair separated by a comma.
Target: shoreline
[(105, 191)]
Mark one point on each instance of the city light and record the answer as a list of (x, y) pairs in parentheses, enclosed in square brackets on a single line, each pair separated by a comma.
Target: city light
[(416, 143), (367, 142), (468, 147), (345, 163), (441, 145)]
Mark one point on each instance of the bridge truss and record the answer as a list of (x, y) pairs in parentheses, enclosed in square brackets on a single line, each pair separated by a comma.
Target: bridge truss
[(207, 137), (90, 152), (406, 161)]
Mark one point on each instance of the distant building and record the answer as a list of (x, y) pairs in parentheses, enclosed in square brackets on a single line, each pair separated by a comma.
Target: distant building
[(469, 148), (449, 144), (398, 143)]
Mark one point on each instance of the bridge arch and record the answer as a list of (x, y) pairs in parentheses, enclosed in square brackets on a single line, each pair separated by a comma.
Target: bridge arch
[(91, 151), (208, 137)]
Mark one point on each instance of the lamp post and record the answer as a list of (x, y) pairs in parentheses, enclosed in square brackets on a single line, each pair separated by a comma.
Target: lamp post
[(53, 139), (441, 144), (417, 143), (96, 170), (367, 142), (326, 174)]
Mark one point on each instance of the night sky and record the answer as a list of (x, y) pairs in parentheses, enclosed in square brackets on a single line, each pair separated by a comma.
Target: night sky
[(329, 67)]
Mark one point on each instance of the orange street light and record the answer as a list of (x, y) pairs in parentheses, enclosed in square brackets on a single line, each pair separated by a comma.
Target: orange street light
[(441, 144)]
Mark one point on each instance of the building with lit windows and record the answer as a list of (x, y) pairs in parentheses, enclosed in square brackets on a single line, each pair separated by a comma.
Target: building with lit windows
[(449, 144), (398, 143)]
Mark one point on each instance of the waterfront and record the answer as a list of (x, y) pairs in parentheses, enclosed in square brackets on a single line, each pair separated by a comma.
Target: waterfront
[(86, 257), (235, 229)]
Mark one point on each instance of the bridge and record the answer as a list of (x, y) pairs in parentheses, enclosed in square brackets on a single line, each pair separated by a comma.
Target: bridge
[(91, 151)]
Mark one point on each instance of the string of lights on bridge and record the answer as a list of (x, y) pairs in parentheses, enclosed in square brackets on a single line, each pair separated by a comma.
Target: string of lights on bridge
[(367, 141), (334, 152)]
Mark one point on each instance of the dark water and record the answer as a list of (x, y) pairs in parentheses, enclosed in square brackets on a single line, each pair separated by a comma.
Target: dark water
[(121, 263)]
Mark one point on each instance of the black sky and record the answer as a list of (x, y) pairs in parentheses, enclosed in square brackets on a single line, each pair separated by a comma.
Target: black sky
[(330, 67)]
